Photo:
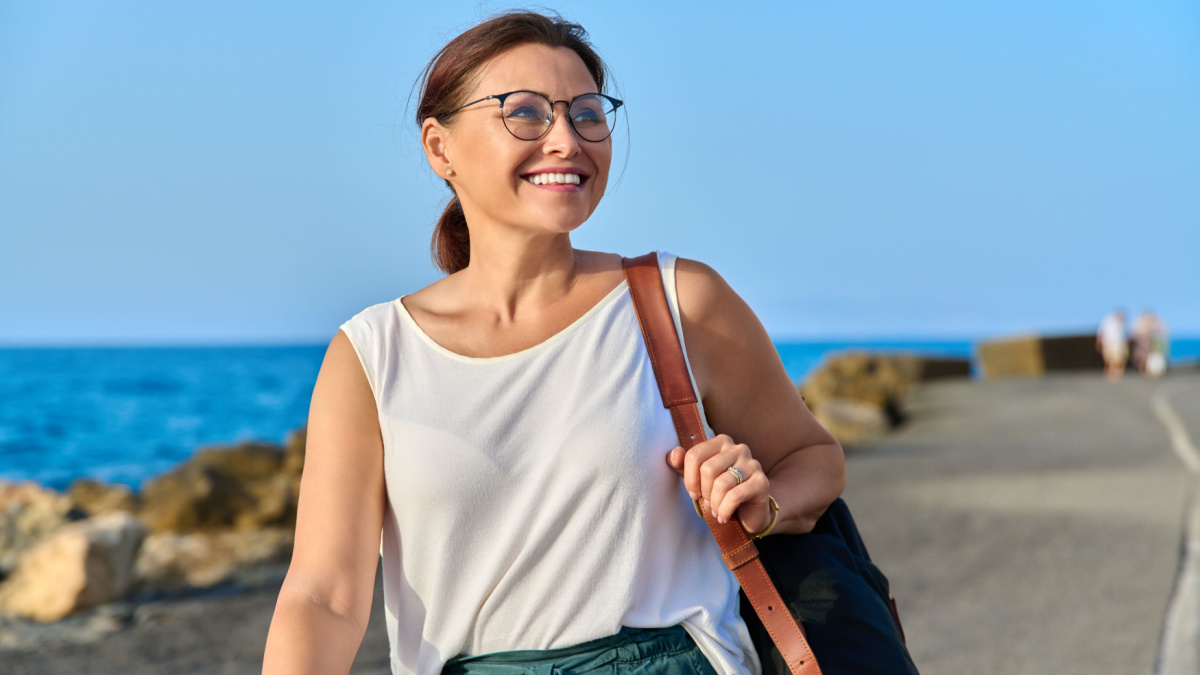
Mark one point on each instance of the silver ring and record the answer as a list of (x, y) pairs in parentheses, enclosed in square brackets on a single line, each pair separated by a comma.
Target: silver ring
[(737, 474)]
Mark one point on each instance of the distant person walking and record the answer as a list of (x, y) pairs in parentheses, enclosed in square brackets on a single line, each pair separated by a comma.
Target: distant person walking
[(1150, 344), (1113, 345)]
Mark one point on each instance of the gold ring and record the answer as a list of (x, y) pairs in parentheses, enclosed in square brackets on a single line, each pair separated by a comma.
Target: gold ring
[(737, 474)]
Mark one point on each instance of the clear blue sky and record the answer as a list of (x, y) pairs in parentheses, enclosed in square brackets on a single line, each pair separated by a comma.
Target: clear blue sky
[(246, 171)]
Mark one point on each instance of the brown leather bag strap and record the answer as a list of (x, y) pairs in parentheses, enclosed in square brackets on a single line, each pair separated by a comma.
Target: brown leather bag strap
[(675, 385)]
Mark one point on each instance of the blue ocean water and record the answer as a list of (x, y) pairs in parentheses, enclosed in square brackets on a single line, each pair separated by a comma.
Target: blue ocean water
[(123, 415)]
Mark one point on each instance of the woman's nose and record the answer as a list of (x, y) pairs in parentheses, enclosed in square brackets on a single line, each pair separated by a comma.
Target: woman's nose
[(561, 137)]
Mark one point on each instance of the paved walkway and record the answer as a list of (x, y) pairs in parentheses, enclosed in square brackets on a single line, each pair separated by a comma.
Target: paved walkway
[(1030, 526)]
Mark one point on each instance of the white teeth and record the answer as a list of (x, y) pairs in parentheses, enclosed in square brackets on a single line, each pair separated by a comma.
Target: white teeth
[(555, 178)]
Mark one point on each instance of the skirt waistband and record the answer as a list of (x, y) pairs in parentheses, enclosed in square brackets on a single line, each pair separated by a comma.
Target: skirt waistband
[(670, 650)]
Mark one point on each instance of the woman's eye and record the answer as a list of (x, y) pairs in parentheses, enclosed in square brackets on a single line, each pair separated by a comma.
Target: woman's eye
[(524, 112), (588, 118)]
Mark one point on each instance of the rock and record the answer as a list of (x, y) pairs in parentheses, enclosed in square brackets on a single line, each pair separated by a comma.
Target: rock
[(1073, 352), (935, 368), (293, 467), (850, 422), (208, 558), (856, 395), (1033, 355), (244, 487), (244, 462), (29, 512), (861, 377), (293, 459), (190, 497), (258, 470), (1018, 356), (96, 498), (271, 504), (34, 508), (80, 565)]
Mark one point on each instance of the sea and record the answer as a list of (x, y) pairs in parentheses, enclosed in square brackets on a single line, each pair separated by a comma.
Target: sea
[(126, 414)]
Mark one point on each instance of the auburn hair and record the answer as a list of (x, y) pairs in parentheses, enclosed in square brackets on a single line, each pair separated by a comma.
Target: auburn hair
[(449, 77)]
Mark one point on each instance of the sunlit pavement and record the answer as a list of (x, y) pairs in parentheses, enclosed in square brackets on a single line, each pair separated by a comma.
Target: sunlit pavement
[(1030, 526)]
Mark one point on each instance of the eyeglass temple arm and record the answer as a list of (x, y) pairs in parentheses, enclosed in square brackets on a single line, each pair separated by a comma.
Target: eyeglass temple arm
[(498, 97)]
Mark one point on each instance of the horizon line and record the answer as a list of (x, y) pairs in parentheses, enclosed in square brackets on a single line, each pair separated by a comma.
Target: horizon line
[(780, 339)]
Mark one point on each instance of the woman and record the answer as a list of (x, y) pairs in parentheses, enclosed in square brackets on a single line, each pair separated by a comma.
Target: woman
[(502, 429)]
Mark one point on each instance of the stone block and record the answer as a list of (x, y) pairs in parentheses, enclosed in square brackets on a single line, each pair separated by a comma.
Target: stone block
[(80, 565)]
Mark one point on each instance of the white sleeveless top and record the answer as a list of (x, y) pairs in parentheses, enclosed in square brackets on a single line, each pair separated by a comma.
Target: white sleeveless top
[(530, 505)]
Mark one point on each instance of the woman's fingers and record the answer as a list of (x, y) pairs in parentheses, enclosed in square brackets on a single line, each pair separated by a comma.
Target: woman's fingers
[(675, 459), (748, 503), (706, 475), (716, 466), (721, 480), (693, 465), (729, 495)]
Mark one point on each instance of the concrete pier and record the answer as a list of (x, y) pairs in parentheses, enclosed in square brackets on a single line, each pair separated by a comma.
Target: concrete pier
[(1032, 526)]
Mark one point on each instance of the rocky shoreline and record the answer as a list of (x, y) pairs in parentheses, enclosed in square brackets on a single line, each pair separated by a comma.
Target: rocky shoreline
[(224, 517), (221, 630)]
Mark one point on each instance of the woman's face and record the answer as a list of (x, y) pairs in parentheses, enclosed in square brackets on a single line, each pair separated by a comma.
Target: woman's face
[(492, 168)]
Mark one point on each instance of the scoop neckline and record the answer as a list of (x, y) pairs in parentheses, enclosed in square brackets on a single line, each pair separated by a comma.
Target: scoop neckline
[(612, 295)]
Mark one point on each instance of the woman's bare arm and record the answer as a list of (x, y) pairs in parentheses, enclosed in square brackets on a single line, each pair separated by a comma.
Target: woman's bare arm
[(748, 396), (322, 611)]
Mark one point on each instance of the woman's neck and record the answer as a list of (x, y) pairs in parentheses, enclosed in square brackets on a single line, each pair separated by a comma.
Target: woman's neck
[(512, 274)]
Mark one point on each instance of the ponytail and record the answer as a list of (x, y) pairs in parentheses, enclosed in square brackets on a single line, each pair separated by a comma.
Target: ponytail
[(451, 245)]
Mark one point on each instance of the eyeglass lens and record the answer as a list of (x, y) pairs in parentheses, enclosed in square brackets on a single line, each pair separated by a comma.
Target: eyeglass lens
[(528, 115)]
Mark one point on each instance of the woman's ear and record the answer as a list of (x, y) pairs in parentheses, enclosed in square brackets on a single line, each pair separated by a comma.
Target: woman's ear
[(434, 137)]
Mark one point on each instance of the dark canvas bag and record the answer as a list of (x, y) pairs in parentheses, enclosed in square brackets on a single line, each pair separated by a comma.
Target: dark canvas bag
[(831, 586), (839, 612)]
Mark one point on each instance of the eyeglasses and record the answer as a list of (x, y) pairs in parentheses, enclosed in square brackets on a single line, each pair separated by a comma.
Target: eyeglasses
[(528, 115)]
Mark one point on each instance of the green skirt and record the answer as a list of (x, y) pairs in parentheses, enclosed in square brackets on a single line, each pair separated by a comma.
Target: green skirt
[(640, 651)]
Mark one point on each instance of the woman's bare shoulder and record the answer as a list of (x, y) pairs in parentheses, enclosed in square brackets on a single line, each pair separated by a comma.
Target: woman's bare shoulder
[(728, 347), (705, 298)]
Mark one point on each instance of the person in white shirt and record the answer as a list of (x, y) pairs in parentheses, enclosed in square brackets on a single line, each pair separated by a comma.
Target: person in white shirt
[(1113, 345)]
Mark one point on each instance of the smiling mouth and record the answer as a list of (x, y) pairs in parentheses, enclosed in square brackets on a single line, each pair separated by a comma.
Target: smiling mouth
[(555, 178)]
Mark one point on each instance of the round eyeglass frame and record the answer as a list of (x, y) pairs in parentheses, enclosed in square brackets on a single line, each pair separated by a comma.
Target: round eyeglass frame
[(616, 103)]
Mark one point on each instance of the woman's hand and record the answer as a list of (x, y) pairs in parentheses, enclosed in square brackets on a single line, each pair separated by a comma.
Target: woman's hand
[(748, 395), (706, 475)]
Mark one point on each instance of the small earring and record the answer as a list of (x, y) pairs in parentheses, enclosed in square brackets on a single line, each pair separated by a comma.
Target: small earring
[(449, 172)]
